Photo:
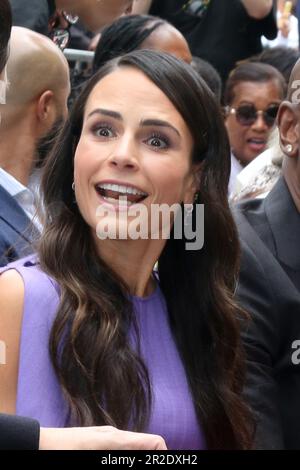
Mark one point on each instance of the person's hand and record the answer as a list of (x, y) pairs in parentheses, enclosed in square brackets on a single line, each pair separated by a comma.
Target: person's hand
[(98, 438), (284, 26), (283, 22)]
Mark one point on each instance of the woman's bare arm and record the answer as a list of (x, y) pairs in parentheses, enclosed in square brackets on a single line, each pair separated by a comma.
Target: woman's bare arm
[(11, 311), (258, 9), (98, 438)]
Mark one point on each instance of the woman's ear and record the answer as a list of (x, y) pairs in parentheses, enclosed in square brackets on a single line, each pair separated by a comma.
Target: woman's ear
[(288, 126), (194, 183)]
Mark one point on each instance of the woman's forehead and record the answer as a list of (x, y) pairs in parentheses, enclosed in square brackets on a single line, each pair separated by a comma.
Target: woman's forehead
[(128, 87), (255, 89), (129, 95)]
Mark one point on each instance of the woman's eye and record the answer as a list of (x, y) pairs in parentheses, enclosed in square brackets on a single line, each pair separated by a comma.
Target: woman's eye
[(104, 131), (158, 142)]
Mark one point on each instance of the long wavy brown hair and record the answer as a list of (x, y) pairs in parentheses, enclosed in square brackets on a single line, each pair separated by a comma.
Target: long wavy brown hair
[(104, 380)]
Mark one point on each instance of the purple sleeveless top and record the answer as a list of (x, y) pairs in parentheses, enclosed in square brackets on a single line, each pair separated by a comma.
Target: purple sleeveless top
[(39, 394)]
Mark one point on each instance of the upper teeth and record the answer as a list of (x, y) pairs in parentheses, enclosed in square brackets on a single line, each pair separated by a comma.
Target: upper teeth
[(122, 189)]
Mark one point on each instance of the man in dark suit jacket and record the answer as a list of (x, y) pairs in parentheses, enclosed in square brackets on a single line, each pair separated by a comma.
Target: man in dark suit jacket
[(16, 231), (269, 289)]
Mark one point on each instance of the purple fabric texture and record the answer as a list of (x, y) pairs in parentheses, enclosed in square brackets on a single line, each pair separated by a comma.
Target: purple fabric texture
[(39, 395)]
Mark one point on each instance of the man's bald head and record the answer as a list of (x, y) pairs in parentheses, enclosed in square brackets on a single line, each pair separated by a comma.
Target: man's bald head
[(35, 65), (38, 89)]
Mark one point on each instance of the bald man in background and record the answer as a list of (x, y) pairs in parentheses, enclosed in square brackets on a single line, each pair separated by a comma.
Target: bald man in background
[(36, 103)]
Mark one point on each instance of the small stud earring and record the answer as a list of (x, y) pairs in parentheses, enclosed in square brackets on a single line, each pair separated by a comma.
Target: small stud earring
[(288, 148), (73, 186)]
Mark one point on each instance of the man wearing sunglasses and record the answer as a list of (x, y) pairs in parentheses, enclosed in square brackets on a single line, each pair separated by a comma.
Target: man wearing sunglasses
[(269, 289), (252, 96)]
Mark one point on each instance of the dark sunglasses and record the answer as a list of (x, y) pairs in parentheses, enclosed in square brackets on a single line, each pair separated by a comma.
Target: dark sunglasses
[(247, 114), (196, 7), (59, 25)]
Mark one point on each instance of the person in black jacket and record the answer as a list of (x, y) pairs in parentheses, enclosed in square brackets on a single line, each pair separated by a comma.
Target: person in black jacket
[(269, 289), (18, 433), (32, 14), (24, 433), (221, 32), (35, 14)]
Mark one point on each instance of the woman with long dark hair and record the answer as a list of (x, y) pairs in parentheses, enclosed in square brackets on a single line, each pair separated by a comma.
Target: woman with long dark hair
[(104, 339), (25, 434)]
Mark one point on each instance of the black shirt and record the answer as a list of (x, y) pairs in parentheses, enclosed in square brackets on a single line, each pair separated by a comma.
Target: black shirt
[(224, 35), (35, 14), (32, 14)]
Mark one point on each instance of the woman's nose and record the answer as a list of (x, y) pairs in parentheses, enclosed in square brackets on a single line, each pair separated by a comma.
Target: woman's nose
[(124, 154)]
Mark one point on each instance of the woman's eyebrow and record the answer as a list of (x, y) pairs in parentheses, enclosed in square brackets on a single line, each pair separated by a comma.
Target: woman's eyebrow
[(106, 112), (143, 123), (160, 123)]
